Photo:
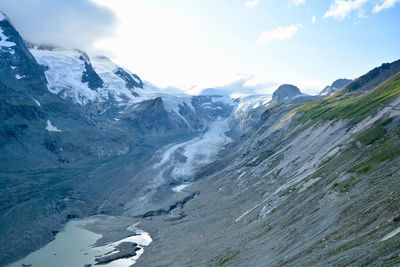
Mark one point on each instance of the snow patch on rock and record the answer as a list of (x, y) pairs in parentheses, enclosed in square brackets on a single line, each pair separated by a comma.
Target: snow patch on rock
[(37, 102), (3, 40), (180, 187), (51, 128)]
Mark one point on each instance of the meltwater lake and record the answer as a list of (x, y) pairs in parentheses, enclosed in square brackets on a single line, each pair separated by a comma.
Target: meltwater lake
[(76, 246)]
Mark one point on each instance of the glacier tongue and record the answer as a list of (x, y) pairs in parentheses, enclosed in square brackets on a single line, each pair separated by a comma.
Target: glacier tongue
[(197, 152)]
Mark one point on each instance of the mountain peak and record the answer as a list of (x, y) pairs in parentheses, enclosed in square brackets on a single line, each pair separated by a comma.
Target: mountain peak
[(340, 83), (334, 87), (285, 92)]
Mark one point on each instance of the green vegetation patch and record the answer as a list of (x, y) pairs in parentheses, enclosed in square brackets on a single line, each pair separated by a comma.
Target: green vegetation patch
[(344, 105), (372, 134), (360, 168), (392, 261), (356, 242), (345, 186), (222, 260), (386, 148)]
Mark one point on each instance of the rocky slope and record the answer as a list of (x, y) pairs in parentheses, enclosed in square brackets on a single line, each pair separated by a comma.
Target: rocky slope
[(315, 185)]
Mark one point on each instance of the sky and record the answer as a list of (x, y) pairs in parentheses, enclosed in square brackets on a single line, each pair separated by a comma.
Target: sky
[(242, 46)]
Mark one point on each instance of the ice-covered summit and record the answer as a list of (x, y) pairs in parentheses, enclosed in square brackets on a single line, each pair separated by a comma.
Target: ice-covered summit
[(74, 75)]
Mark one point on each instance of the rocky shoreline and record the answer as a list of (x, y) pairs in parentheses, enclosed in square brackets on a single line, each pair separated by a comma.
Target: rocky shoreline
[(122, 251)]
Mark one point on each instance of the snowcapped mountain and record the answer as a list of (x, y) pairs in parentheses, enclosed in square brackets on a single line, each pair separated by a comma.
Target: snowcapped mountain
[(97, 81), (75, 76)]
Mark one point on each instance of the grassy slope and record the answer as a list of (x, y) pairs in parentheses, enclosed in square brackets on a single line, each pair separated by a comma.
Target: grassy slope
[(346, 106), (371, 183), (373, 198)]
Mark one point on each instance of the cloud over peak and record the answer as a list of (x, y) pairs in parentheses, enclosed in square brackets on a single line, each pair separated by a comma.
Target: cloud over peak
[(67, 24)]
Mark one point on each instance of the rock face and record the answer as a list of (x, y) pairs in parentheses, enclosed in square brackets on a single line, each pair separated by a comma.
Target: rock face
[(132, 81), (340, 83), (336, 86), (18, 68), (285, 92), (89, 75)]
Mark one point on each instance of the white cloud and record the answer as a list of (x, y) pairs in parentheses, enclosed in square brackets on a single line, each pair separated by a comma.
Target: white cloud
[(314, 19), (252, 3), (280, 33), (261, 85), (253, 84), (167, 45), (384, 5), (296, 2), (243, 86), (340, 9), (312, 87), (69, 24)]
